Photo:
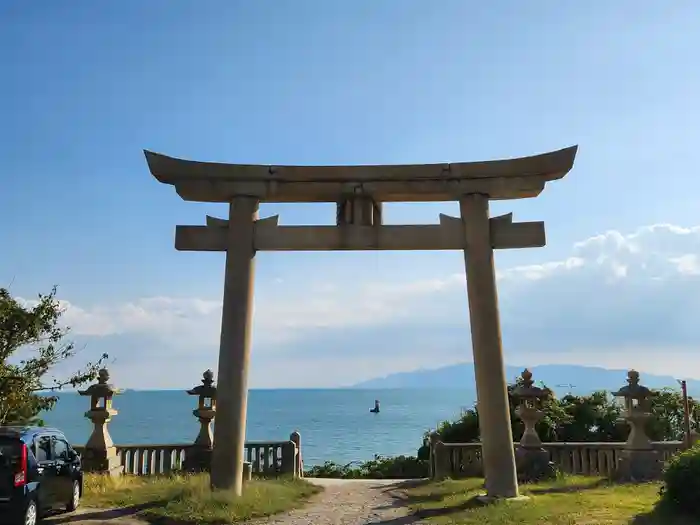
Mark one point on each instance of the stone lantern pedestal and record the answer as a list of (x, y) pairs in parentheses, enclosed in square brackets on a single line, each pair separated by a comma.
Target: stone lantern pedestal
[(100, 454), (532, 460), (198, 458), (638, 461)]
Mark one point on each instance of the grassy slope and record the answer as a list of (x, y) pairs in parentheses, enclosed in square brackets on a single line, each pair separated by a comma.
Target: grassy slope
[(570, 501), (188, 498)]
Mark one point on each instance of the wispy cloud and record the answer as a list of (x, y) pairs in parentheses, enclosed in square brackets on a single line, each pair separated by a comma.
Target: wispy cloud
[(616, 296)]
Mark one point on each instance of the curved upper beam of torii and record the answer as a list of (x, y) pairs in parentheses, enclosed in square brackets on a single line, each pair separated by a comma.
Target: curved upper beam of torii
[(499, 179)]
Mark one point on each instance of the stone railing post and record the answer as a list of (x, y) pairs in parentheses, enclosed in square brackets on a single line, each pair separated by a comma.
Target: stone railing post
[(247, 471), (289, 458), (638, 460), (100, 454), (198, 456), (440, 463), (694, 437), (299, 466), (531, 459)]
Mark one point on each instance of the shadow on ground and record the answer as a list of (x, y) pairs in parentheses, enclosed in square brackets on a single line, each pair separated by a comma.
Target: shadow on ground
[(122, 515), (400, 499), (565, 489)]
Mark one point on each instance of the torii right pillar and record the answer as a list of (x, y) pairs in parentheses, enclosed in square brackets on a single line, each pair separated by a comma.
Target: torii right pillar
[(497, 451)]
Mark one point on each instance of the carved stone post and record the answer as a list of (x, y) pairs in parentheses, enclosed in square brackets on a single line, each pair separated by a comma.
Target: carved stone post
[(199, 455), (439, 458), (100, 454), (638, 460), (694, 437), (289, 458), (296, 438), (532, 460)]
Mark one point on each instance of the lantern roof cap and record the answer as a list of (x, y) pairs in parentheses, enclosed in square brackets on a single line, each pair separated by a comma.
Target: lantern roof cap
[(207, 388), (526, 388), (102, 388), (633, 389)]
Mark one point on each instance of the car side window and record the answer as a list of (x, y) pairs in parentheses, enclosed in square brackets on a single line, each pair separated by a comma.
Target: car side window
[(60, 449), (43, 448)]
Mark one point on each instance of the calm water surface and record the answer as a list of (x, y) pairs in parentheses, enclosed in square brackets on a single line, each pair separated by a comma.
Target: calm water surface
[(334, 424)]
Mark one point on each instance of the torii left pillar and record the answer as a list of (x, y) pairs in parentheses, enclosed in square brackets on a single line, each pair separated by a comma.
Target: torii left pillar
[(234, 349), (498, 455)]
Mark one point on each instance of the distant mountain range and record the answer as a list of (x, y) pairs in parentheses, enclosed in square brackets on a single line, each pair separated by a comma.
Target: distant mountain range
[(560, 378)]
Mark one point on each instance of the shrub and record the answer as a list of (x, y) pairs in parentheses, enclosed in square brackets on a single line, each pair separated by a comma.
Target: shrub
[(400, 467), (681, 488)]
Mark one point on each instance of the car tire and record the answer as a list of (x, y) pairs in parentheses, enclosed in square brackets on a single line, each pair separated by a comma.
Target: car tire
[(31, 514), (75, 497)]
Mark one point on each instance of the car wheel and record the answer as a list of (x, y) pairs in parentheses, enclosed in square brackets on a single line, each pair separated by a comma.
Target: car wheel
[(30, 513), (75, 497)]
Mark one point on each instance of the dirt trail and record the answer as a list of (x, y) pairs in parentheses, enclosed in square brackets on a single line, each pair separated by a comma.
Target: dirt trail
[(350, 502)]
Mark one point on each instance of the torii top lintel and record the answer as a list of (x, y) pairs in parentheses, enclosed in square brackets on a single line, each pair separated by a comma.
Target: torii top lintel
[(499, 179)]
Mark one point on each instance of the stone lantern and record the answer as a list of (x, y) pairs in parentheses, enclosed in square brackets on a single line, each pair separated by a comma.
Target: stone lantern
[(532, 460), (100, 454), (199, 455), (638, 460)]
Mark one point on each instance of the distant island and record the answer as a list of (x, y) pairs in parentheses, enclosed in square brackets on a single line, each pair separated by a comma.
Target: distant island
[(560, 378)]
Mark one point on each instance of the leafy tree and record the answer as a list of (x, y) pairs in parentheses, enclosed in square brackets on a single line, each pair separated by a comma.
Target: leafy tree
[(590, 418), (595, 417), (34, 332)]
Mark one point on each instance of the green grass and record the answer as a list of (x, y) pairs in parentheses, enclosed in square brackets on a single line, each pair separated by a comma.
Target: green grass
[(567, 501), (188, 498)]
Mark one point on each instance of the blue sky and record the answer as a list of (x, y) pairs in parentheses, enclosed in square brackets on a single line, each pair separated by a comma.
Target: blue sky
[(87, 86)]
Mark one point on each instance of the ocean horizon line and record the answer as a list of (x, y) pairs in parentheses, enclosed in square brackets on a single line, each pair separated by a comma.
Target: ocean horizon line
[(275, 389)]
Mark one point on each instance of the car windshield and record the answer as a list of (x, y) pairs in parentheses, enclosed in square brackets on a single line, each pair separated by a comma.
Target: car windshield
[(9, 452)]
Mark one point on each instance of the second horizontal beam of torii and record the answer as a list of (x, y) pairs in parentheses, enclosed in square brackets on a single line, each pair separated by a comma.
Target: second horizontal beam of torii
[(448, 235)]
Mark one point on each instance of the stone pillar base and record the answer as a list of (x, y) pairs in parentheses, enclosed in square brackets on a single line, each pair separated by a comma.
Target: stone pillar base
[(533, 464), (485, 499), (638, 465), (197, 459), (102, 461)]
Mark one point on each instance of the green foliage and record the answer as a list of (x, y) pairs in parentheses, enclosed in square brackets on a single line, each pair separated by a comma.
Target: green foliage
[(400, 467), (681, 489), (32, 343), (594, 417)]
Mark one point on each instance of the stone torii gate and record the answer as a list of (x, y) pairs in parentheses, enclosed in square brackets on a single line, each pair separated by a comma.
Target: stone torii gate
[(359, 192)]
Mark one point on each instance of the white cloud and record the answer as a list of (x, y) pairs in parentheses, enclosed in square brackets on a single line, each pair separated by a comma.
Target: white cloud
[(615, 292)]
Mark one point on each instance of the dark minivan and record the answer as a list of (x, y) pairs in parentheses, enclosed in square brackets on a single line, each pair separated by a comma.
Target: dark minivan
[(39, 472)]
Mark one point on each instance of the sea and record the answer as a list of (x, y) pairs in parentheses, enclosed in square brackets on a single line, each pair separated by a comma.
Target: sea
[(335, 424)]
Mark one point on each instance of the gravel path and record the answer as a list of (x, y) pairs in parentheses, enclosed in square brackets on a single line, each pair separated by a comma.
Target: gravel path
[(350, 502), (342, 502)]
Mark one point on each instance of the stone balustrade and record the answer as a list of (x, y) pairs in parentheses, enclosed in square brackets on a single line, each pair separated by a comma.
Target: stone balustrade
[(455, 460), (267, 458)]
